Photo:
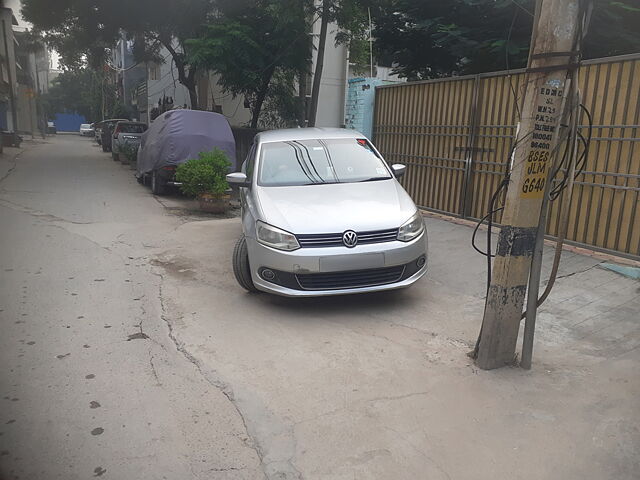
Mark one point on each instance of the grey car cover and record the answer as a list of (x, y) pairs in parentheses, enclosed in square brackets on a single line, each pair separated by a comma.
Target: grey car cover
[(179, 135)]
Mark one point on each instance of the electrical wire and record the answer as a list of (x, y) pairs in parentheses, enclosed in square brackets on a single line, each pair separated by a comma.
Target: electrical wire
[(556, 191), (574, 169), (521, 7), (506, 60)]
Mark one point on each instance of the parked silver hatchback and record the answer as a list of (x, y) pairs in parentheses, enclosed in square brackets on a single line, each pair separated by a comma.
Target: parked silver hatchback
[(323, 214)]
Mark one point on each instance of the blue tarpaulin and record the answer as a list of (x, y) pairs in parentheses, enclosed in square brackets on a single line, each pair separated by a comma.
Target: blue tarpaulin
[(69, 122)]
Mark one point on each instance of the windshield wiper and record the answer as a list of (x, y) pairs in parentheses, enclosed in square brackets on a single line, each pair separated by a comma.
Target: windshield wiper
[(315, 183), (374, 179)]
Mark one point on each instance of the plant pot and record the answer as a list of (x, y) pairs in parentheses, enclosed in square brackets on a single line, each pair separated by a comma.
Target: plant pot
[(213, 203)]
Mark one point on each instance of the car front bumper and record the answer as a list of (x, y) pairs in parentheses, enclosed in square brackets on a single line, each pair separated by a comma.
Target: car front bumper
[(314, 272)]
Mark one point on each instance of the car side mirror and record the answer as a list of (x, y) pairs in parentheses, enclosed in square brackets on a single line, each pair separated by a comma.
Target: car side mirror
[(398, 169), (238, 179)]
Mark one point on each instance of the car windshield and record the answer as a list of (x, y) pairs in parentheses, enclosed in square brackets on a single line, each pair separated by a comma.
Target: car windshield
[(132, 127), (313, 162)]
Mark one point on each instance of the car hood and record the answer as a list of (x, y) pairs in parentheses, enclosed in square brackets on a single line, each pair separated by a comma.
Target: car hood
[(334, 208)]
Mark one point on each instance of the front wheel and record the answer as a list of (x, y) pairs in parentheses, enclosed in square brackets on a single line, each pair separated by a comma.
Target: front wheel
[(241, 268)]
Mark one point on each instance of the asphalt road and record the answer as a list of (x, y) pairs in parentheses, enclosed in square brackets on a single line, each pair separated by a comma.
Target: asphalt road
[(92, 383), (127, 351)]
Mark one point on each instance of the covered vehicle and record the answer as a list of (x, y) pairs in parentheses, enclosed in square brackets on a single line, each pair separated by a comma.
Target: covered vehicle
[(126, 136), (177, 136)]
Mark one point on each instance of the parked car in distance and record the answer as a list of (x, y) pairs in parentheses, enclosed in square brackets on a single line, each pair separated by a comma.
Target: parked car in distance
[(177, 136), (51, 128), (86, 130), (323, 214), (126, 135), (106, 131), (97, 132)]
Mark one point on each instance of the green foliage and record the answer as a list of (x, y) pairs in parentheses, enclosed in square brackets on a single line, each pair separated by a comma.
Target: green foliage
[(432, 38), (205, 174), (83, 32), (249, 42), (120, 111), (130, 151), (360, 56), (281, 105), (83, 91)]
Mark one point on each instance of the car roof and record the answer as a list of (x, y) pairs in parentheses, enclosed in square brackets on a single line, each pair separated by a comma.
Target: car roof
[(131, 122), (314, 133)]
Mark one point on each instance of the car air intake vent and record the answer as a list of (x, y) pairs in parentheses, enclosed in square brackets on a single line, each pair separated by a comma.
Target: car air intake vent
[(350, 279), (335, 239)]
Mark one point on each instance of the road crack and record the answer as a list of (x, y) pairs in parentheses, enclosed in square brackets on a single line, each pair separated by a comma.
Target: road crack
[(47, 217), (579, 271), (249, 441)]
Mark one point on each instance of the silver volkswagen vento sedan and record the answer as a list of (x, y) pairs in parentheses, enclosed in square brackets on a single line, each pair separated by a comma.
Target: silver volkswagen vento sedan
[(323, 214)]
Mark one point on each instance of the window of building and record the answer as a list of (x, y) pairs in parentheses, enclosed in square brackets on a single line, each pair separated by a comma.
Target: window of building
[(154, 71)]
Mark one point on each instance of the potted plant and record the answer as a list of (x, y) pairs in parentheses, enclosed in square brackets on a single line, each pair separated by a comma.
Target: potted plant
[(205, 178), (129, 154)]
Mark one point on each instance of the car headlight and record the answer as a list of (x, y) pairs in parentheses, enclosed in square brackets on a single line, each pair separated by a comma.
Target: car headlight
[(412, 228), (275, 238)]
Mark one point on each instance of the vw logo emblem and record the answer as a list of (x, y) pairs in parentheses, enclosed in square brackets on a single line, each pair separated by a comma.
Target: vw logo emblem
[(350, 239)]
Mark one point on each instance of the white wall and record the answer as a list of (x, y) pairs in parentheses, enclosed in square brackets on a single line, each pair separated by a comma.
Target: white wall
[(167, 84), (232, 108), (333, 85)]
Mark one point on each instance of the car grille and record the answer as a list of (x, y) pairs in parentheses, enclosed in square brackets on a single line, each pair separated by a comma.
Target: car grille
[(335, 239), (350, 279)]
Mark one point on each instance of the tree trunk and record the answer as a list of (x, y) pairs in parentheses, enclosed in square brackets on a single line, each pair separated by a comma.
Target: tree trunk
[(317, 74), (193, 88), (193, 97), (186, 79), (302, 99), (260, 96)]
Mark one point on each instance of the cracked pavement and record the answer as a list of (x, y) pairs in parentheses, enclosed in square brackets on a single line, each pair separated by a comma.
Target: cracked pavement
[(131, 353)]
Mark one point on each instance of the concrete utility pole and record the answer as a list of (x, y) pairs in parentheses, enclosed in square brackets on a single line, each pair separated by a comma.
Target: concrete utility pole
[(553, 47)]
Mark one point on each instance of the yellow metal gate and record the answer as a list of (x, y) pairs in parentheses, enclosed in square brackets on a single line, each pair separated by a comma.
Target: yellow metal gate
[(455, 136)]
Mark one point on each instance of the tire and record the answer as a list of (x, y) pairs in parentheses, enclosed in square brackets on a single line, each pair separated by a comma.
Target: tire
[(158, 186), (140, 179), (241, 268)]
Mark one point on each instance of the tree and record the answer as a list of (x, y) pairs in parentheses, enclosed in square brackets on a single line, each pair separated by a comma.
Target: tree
[(350, 17), (325, 16), (83, 31), (248, 43), (82, 91), (431, 38)]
